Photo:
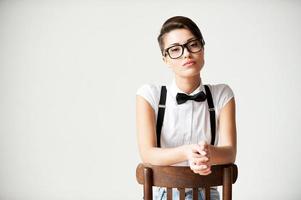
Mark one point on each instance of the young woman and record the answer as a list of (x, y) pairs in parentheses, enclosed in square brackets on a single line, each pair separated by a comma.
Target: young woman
[(190, 135)]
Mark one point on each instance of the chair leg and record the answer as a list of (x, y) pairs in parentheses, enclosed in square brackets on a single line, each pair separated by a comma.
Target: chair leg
[(148, 185), (227, 184)]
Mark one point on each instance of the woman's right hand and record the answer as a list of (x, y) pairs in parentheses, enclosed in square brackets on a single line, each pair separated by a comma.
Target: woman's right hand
[(199, 159)]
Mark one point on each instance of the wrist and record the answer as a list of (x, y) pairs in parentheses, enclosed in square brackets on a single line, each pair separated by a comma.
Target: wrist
[(211, 150), (186, 149)]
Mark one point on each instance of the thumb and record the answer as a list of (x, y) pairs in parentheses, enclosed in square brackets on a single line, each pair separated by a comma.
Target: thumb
[(202, 143)]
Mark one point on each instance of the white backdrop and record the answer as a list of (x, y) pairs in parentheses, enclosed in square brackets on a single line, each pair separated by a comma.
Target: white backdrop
[(69, 71)]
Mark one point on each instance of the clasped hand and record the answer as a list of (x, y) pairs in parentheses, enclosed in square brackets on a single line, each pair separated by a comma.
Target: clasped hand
[(199, 158)]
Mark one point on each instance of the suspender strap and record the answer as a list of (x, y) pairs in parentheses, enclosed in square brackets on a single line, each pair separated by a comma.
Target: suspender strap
[(161, 112), (212, 113)]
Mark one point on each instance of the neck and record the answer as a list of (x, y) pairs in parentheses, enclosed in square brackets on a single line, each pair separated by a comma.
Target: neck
[(188, 84)]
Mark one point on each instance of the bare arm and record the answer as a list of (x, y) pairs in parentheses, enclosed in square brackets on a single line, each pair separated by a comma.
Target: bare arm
[(225, 152), (146, 130)]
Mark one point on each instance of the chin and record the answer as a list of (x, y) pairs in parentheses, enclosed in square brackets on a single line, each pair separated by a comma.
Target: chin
[(189, 74)]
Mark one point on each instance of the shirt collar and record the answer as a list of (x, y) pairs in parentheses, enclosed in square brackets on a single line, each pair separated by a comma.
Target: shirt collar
[(173, 88)]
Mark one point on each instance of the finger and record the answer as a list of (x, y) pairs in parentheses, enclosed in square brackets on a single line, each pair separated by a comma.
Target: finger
[(194, 167), (205, 173), (203, 153), (207, 170), (199, 167), (201, 161), (202, 172), (202, 143), (203, 150), (206, 151), (196, 148), (196, 155)]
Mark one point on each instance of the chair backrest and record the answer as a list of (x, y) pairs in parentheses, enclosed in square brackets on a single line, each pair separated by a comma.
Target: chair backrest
[(183, 177)]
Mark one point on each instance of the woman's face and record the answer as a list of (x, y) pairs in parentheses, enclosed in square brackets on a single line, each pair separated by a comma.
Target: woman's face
[(189, 64)]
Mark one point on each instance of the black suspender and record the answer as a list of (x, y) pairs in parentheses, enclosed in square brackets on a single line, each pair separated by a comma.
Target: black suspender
[(160, 116), (161, 112), (211, 112)]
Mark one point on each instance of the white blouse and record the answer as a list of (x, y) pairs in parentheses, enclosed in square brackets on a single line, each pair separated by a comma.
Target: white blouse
[(187, 123)]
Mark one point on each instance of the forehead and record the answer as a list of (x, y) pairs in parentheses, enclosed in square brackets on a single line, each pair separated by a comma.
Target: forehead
[(177, 36)]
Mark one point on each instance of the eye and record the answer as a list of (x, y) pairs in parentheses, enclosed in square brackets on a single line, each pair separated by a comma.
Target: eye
[(175, 49), (194, 44)]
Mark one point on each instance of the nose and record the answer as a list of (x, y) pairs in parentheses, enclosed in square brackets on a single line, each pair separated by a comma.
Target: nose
[(186, 53)]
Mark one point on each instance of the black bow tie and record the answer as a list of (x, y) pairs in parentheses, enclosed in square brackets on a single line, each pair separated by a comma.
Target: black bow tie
[(182, 98)]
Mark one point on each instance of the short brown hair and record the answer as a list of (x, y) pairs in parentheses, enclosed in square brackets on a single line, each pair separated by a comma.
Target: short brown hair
[(179, 22)]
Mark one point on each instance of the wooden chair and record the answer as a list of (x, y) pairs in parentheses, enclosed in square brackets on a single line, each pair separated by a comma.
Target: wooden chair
[(183, 177)]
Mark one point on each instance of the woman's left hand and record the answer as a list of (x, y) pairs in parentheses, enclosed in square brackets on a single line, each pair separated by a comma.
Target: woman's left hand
[(201, 164)]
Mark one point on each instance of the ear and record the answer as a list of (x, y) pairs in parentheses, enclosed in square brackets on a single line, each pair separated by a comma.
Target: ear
[(165, 60)]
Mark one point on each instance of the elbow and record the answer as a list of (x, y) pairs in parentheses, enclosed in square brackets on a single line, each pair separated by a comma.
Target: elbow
[(233, 155), (150, 156), (146, 156), (232, 160), (144, 159)]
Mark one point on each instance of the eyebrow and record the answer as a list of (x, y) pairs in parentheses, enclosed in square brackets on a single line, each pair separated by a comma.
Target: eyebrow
[(193, 38)]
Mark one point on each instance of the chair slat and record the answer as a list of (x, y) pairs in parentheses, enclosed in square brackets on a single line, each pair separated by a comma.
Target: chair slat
[(169, 193), (182, 193), (207, 193), (195, 194)]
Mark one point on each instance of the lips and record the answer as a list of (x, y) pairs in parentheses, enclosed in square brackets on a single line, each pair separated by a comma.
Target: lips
[(188, 63)]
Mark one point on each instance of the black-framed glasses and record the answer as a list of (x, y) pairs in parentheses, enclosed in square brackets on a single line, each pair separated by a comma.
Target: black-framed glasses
[(176, 51)]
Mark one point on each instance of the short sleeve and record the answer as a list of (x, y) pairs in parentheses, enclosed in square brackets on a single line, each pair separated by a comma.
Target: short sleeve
[(150, 93), (222, 95)]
